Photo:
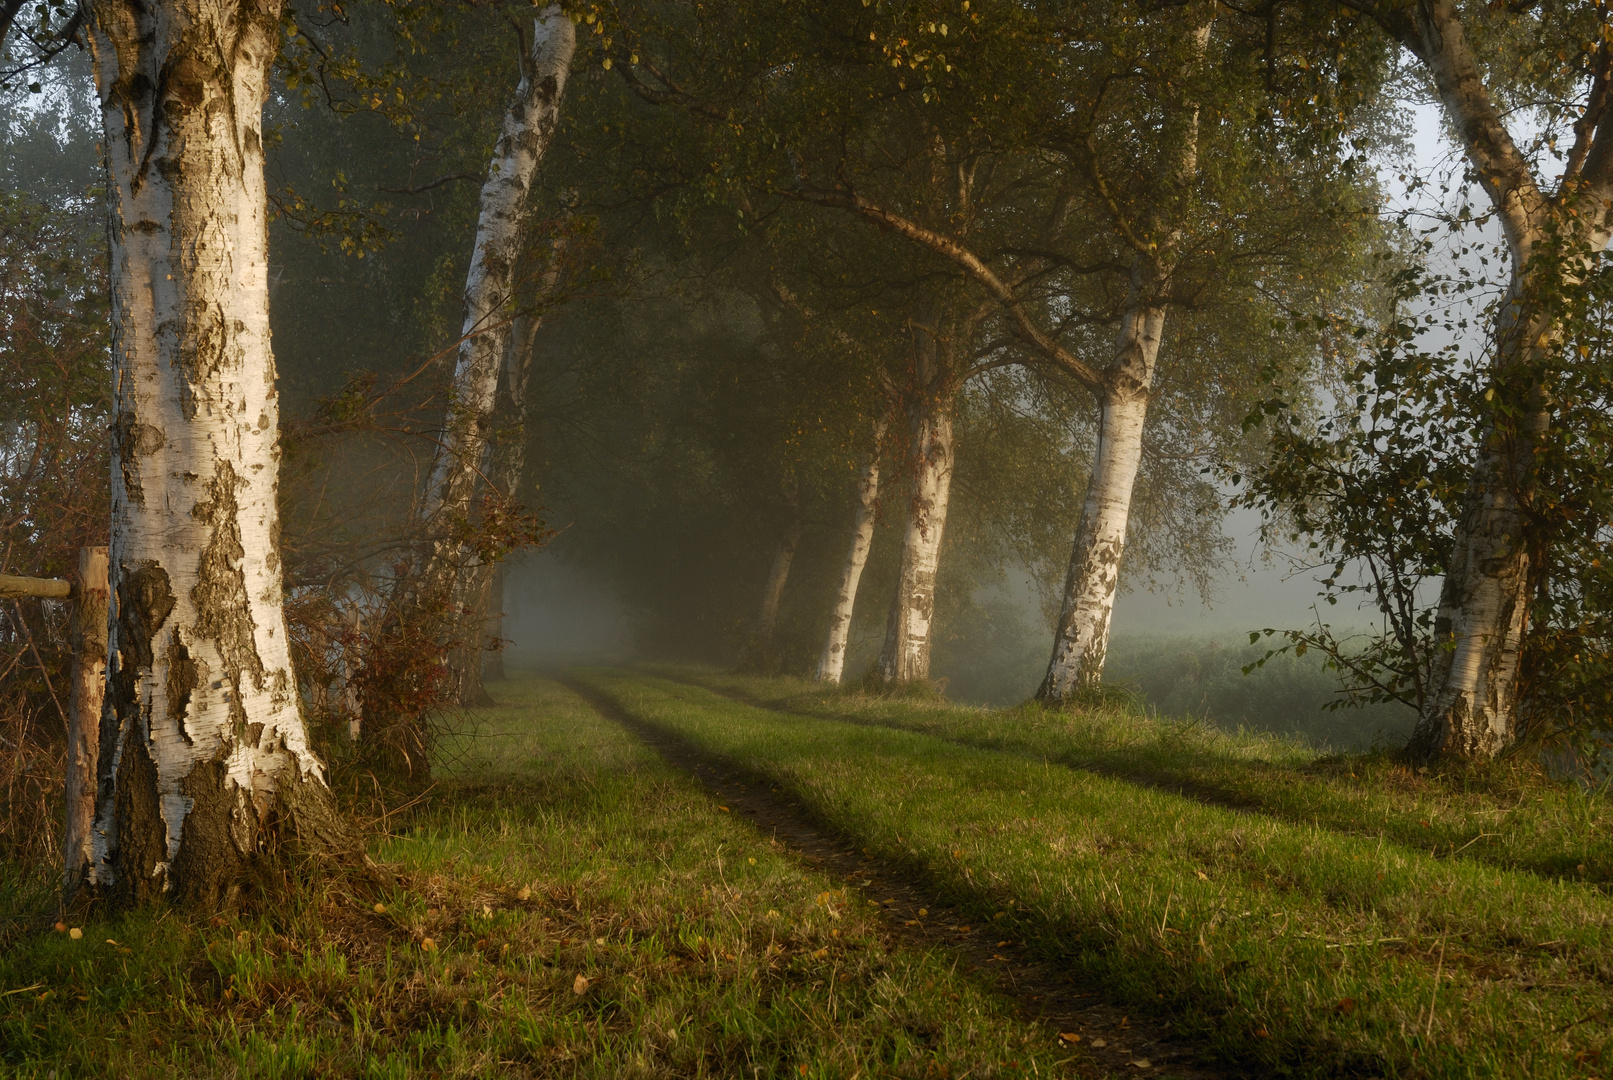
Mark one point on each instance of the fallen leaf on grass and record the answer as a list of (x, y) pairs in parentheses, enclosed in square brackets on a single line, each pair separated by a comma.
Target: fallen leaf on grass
[(380, 909), (75, 933), (428, 945), (1099, 1044), (579, 985), (1069, 1037), (1142, 1063), (524, 893), (1346, 1006)]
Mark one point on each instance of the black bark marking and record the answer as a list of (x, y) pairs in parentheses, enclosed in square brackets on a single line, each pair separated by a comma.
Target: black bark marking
[(223, 613), (223, 833), (140, 835), (183, 677), (203, 347), (131, 441), (145, 600)]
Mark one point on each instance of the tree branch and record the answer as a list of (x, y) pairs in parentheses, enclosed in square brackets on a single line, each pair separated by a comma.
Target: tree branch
[(437, 183), (972, 265), (1433, 31)]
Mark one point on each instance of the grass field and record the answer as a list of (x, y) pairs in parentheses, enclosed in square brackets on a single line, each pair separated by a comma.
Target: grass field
[(569, 904), (570, 907)]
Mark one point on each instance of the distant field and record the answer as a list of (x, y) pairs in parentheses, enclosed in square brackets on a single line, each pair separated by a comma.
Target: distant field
[(572, 903)]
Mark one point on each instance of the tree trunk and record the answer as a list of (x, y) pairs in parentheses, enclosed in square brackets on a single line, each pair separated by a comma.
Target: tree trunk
[(777, 577), (832, 665), (1081, 642), (450, 576), (471, 662), (906, 655), (493, 658), (1479, 628), (84, 712), (204, 762), (1470, 710), (1082, 639)]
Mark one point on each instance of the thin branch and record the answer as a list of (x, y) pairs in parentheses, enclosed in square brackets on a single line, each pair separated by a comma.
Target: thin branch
[(971, 263), (437, 183)]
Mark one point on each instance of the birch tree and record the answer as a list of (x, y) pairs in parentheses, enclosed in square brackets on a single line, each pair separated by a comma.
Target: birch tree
[(1482, 621), (205, 764), (449, 574), (832, 664)]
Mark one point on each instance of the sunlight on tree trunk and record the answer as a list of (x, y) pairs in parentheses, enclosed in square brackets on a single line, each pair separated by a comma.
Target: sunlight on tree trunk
[(1482, 619), (1081, 641), (204, 758), (906, 655), (451, 574), (832, 665)]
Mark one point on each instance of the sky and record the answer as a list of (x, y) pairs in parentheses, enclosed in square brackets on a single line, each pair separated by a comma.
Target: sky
[(1263, 588)]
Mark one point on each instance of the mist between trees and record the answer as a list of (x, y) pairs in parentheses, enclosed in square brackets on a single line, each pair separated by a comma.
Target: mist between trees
[(801, 330)]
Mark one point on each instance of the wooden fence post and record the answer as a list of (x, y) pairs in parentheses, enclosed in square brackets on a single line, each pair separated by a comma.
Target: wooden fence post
[(88, 637)]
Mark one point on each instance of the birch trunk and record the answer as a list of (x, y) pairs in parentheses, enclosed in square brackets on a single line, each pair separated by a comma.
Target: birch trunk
[(1482, 620), (1081, 642), (777, 577), (86, 697), (1082, 639), (493, 663), (906, 654), (832, 664), (450, 576), (470, 662), (204, 760)]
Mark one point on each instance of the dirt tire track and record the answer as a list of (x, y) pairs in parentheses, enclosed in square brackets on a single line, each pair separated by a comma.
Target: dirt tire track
[(1041, 990)]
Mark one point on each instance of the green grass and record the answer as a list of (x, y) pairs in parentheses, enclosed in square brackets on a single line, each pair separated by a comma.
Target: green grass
[(1300, 946), (1506, 816), (570, 906)]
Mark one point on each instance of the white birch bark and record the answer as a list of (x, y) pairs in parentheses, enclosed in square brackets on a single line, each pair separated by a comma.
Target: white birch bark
[(906, 654), (482, 585), (203, 750), (832, 664), (448, 575), (1081, 640), (1483, 614)]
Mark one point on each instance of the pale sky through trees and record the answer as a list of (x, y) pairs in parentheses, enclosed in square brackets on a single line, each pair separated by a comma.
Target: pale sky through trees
[(1271, 593)]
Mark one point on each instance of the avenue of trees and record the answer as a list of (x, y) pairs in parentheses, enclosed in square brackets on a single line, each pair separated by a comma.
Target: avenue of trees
[(804, 326)]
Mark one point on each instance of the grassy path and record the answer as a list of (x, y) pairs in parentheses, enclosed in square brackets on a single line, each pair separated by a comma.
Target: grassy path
[(570, 906), (1289, 945), (1505, 819), (1079, 1017)]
